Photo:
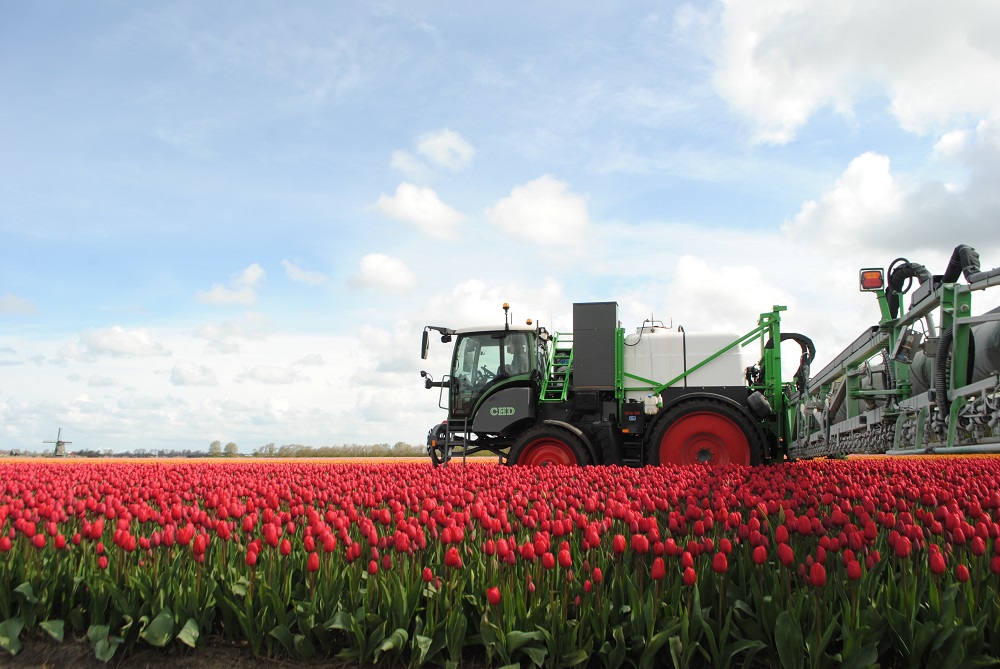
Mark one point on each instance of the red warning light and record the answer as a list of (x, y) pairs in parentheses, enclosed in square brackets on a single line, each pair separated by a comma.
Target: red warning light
[(872, 279)]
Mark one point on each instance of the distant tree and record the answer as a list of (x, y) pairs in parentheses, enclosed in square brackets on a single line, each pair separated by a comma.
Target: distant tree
[(232, 450), (265, 451), (215, 449)]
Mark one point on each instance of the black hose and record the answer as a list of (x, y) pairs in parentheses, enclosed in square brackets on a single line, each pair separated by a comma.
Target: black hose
[(901, 275), (964, 260), (806, 359), (941, 373)]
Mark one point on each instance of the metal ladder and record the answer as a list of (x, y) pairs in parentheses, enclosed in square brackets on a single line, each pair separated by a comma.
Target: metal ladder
[(555, 387)]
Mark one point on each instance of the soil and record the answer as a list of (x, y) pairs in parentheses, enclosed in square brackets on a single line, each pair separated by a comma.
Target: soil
[(43, 654), (40, 653)]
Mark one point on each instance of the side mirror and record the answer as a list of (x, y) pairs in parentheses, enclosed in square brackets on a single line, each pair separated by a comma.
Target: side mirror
[(424, 345)]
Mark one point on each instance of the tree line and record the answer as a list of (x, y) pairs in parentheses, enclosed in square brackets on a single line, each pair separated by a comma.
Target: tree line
[(216, 449)]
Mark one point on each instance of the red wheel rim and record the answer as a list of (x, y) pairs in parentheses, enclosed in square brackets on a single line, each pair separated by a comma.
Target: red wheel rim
[(704, 437), (547, 451)]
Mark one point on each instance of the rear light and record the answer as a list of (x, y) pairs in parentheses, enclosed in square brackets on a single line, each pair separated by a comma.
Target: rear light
[(872, 279)]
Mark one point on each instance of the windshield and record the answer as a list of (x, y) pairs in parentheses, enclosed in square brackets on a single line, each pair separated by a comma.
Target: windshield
[(481, 359)]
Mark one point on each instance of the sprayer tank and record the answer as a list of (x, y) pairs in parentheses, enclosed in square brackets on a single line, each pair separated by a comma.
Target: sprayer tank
[(658, 355)]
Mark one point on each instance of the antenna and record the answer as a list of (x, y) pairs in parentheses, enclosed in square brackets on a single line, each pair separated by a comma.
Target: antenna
[(60, 449)]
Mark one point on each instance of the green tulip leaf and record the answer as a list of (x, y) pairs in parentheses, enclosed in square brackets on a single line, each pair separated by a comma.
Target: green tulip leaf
[(54, 628), (10, 630), (160, 630), (189, 633), (788, 638)]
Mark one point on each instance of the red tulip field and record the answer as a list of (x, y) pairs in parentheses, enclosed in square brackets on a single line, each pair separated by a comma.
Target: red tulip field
[(850, 563)]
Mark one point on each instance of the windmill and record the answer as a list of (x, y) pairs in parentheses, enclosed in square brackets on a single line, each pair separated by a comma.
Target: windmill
[(60, 449)]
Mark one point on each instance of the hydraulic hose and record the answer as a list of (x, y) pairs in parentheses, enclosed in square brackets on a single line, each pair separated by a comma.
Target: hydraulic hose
[(941, 374), (808, 355)]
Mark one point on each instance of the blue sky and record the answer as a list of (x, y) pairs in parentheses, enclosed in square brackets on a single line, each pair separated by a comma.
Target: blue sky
[(231, 220)]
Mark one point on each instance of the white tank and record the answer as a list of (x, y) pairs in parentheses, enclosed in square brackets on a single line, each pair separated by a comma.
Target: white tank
[(658, 354)]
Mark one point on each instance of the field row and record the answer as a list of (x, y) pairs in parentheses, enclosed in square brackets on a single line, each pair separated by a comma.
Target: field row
[(811, 563)]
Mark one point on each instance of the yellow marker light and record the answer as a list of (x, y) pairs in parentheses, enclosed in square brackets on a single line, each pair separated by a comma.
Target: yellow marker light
[(872, 279), (527, 322)]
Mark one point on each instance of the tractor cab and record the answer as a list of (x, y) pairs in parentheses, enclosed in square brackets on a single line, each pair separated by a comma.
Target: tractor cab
[(484, 361), (492, 383)]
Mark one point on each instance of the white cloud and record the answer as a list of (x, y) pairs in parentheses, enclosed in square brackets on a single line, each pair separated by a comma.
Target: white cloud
[(117, 341), (187, 373), (308, 277), (870, 206), (951, 143), (311, 360), (782, 60), (542, 211), (12, 304), (737, 294), (242, 289), (253, 325), (442, 148), (423, 208), (98, 381), (446, 148), (408, 164), (384, 273), (864, 205), (270, 374)]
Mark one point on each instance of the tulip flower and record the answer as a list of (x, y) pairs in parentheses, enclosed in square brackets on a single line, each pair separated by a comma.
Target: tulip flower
[(936, 563), (719, 563)]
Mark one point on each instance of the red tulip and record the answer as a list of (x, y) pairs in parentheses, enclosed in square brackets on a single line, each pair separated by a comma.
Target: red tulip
[(312, 562), (719, 563), (658, 571), (690, 577), (817, 575), (452, 558), (759, 555), (962, 573), (493, 595), (854, 570), (618, 544), (936, 562)]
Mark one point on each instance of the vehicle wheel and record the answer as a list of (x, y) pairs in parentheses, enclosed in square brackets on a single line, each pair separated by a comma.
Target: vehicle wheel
[(707, 432), (439, 454), (547, 446)]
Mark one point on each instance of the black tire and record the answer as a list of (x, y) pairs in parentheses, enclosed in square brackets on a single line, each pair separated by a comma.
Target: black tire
[(706, 431), (439, 456), (545, 445)]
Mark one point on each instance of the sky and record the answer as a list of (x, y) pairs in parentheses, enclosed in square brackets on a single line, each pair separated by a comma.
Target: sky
[(231, 220)]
